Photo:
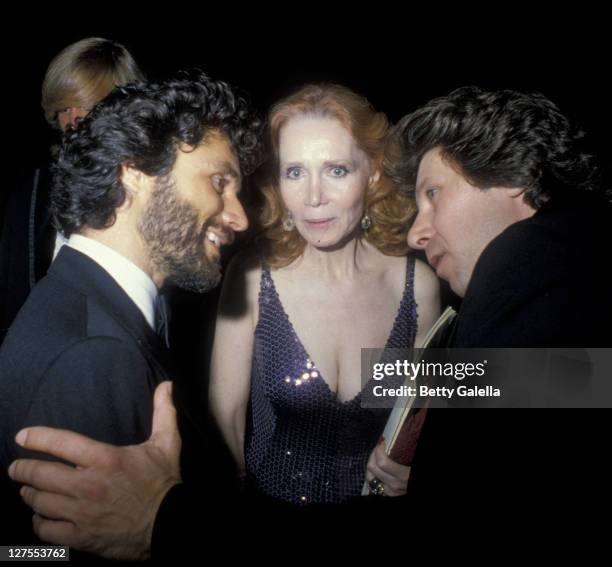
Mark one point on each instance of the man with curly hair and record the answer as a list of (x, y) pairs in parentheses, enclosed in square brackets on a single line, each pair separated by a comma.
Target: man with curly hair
[(511, 214), (146, 191), (507, 198)]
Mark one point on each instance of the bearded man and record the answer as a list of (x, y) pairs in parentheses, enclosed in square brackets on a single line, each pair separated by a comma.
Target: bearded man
[(146, 191)]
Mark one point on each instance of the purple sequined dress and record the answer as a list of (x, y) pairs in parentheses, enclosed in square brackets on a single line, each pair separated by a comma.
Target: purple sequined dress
[(303, 445)]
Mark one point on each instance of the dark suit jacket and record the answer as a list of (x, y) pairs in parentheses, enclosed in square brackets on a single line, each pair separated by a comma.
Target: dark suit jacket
[(542, 283), (80, 356), (27, 240)]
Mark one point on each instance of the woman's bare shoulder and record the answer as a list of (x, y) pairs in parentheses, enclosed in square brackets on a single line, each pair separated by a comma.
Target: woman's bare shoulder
[(426, 283)]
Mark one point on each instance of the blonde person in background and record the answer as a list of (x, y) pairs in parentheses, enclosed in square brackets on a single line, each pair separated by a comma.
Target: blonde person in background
[(77, 78), (81, 75)]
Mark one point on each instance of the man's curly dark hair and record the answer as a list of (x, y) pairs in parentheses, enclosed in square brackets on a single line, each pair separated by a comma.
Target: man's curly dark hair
[(504, 138), (142, 125)]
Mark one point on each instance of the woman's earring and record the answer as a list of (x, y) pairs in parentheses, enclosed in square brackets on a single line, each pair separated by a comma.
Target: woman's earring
[(288, 223), (366, 222)]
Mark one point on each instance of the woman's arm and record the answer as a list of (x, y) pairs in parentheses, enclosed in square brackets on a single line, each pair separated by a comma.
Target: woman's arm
[(394, 476), (427, 297), (230, 369)]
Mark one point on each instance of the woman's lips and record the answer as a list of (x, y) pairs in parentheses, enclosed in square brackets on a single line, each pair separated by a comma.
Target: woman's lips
[(318, 223)]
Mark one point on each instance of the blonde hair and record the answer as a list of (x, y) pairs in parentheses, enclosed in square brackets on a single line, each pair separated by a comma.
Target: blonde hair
[(389, 209), (85, 72)]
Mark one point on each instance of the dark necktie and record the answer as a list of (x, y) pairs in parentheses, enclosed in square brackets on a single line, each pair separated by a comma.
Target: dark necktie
[(162, 319)]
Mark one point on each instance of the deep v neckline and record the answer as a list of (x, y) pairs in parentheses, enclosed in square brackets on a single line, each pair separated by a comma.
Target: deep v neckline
[(397, 319)]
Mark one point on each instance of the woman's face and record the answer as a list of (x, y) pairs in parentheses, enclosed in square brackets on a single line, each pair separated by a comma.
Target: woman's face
[(323, 179)]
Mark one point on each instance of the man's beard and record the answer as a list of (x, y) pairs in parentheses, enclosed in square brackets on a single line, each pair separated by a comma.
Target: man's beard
[(175, 240)]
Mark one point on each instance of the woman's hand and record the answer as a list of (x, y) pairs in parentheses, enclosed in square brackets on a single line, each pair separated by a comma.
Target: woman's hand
[(392, 475)]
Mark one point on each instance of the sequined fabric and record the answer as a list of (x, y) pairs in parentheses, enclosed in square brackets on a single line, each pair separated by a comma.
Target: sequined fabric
[(303, 445)]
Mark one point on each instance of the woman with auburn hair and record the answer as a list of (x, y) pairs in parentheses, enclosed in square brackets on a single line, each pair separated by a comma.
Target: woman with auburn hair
[(331, 275)]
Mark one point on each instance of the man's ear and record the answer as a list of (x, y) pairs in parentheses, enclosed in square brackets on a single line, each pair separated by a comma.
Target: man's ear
[(134, 181), (515, 192), (520, 205)]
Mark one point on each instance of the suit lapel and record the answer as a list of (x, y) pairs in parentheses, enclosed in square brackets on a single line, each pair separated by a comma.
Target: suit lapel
[(80, 272)]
